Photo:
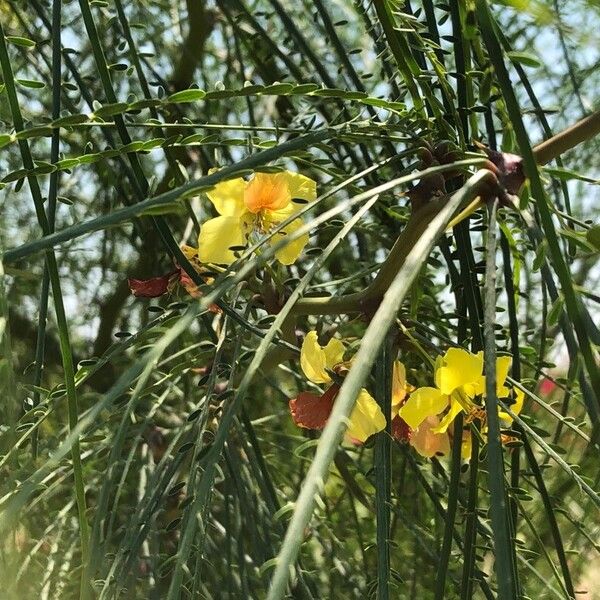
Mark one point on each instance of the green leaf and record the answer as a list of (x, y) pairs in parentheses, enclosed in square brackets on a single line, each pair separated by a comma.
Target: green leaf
[(568, 174), (34, 132), (578, 237), (153, 143), (337, 93), (5, 139), (20, 41), (141, 104), (118, 67), (15, 175), (70, 120), (540, 256), (304, 88), (31, 83), (107, 110), (593, 236), (555, 311), (186, 96), (524, 58), (278, 89)]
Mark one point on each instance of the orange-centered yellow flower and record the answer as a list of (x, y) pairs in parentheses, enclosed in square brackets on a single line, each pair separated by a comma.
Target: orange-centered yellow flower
[(312, 411), (255, 207), (458, 379), (423, 439)]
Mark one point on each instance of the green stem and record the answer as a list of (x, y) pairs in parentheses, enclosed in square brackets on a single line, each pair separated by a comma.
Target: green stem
[(550, 515), (498, 508), (400, 51), (471, 526), (61, 319), (442, 570), (364, 359), (52, 196), (382, 460)]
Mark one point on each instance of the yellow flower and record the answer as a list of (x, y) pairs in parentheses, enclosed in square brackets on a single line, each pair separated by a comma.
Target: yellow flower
[(255, 206), (516, 407), (400, 387), (426, 441), (459, 379), (366, 418), (318, 362)]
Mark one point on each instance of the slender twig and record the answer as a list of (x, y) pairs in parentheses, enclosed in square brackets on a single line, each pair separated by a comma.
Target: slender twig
[(370, 345), (382, 463), (498, 508), (61, 318)]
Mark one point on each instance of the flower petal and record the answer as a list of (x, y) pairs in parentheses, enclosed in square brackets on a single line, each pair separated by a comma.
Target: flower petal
[(311, 411), (366, 418), (515, 407), (313, 359), (301, 187), (422, 403), (228, 197), (460, 368), (194, 291), (455, 408), (288, 254), (502, 366), (427, 442), (216, 238), (267, 191), (188, 284), (398, 386), (334, 353)]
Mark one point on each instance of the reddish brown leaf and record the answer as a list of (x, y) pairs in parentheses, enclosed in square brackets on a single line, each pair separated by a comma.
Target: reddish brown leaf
[(190, 287), (311, 411), (400, 429), (153, 287)]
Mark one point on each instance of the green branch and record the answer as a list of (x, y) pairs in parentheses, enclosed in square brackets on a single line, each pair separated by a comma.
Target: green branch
[(363, 361), (418, 222)]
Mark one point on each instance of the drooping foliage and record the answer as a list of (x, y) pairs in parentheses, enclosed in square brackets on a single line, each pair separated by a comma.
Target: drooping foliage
[(298, 299)]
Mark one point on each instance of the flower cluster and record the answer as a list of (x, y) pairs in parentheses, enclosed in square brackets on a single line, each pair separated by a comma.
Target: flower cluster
[(420, 416), (459, 383), (311, 411), (247, 208)]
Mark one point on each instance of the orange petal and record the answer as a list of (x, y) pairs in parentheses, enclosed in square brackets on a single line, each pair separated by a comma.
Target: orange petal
[(267, 191), (311, 411), (427, 442)]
